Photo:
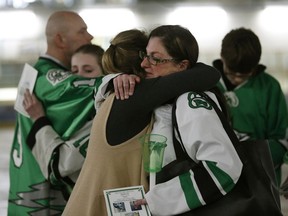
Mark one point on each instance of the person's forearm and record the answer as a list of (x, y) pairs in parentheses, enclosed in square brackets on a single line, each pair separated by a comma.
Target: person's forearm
[(203, 77)]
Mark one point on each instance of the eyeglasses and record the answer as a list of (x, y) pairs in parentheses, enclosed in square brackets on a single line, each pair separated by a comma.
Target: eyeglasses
[(153, 60)]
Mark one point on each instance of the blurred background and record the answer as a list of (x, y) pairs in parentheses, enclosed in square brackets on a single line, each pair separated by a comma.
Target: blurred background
[(22, 24)]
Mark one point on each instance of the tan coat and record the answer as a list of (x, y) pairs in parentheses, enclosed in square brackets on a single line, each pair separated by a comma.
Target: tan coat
[(106, 167)]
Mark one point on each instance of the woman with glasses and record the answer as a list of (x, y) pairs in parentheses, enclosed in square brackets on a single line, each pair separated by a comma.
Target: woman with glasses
[(171, 49), (114, 153), (256, 102)]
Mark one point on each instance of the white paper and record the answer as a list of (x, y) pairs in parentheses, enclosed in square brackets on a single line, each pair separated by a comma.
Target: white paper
[(120, 201), (27, 81)]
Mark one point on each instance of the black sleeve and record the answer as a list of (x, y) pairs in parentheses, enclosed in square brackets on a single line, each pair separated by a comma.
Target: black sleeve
[(38, 124), (129, 117)]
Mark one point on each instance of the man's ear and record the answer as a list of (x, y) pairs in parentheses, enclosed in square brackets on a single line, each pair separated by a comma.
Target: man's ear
[(184, 64), (59, 40)]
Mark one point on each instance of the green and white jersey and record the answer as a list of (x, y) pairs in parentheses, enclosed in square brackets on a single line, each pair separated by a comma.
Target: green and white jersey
[(258, 110), (207, 143), (36, 184)]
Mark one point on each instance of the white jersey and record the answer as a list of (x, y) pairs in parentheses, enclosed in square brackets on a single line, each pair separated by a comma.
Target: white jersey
[(72, 151), (206, 142)]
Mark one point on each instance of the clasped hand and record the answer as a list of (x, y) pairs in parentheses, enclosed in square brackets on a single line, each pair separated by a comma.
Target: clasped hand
[(124, 85)]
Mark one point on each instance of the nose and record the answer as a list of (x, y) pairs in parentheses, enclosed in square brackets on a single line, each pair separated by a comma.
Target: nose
[(145, 63), (80, 72), (90, 37)]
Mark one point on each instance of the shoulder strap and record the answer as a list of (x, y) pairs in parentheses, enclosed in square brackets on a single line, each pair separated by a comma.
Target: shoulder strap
[(180, 150), (178, 145)]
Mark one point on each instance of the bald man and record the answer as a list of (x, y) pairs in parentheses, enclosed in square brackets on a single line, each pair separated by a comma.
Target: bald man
[(65, 32), (42, 172)]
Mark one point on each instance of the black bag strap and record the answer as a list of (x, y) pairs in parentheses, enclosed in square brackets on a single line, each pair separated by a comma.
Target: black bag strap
[(180, 150), (183, 162)]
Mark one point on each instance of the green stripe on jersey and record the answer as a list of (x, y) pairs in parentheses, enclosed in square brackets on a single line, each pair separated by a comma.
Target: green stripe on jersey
[(223, 178), (189, 191)]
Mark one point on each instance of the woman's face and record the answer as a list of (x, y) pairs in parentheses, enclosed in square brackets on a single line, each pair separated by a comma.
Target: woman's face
[(85, 65), (158, 62)]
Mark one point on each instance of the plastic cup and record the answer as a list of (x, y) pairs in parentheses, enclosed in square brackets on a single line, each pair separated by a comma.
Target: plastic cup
[(153, 146)]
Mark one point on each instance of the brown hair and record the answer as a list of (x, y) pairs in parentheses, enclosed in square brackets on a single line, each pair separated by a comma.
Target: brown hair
[(179, 42), (241, 50), (94, 50), (123, 54)]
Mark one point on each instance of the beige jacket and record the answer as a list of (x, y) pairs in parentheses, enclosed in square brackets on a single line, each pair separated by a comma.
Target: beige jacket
[(106, 167)]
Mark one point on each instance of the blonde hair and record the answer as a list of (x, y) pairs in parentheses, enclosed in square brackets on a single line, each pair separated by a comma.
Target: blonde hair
[(123, 54)]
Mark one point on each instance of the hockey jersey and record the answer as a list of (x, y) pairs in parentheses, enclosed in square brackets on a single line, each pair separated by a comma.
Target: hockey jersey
[(36, 185)]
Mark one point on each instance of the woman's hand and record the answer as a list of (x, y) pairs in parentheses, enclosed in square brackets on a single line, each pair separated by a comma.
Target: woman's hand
[(33, 106), (124, 85)]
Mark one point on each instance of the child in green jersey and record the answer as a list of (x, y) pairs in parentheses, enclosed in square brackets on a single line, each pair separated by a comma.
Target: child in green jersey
[(257, 104)]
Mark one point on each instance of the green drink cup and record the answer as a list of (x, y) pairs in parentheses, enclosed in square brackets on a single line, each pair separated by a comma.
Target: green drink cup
[(153, 146)]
